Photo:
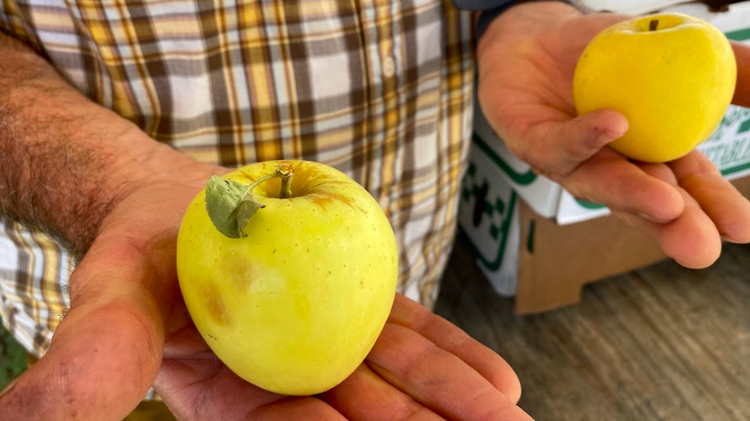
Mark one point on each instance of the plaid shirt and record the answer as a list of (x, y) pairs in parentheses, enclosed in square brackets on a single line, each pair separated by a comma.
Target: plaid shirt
[(380, 89)]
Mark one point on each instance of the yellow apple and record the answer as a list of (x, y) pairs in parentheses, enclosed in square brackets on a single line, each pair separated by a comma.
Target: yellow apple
[(295, 299), (671, 75)]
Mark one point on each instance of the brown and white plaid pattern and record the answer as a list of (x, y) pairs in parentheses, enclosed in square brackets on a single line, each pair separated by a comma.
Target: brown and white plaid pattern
[(380, 89)]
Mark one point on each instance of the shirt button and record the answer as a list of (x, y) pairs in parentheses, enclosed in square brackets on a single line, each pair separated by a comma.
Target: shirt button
[(389, 67)]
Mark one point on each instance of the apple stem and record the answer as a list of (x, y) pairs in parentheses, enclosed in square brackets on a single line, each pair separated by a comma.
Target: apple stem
[(255, 183), (285, 171), (653, 25)]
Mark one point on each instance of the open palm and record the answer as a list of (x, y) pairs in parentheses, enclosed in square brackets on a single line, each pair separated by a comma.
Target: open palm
[(421, 368), (526, 64), (128, 329)]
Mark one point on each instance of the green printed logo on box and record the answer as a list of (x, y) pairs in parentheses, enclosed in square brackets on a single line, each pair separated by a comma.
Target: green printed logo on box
[(739, 35), (729, 146), (486, 214)]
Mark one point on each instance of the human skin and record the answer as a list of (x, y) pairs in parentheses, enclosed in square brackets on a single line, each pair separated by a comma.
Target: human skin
[(526, 60), (115, 197)]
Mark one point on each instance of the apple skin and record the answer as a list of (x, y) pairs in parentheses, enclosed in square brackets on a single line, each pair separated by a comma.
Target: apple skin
[(296, 305), (673, 84)]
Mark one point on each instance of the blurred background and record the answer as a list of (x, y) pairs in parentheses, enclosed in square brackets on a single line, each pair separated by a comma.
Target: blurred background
[(12, 358)]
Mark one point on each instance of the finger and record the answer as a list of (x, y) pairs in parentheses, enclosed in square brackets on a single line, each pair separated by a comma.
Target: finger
[(191, 394), (364, 396), (488, 363), (200, 387), (661, 172), (104, 355), (559, 147), (612, 180), (196, 385), (438, 379), (691, 239), (742, 92), (720, 200), (302, 409)]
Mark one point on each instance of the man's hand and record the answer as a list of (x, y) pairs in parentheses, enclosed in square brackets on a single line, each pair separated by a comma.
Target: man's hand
[(105, 353), (116, 197), (421, 368), (128, 322), (527, 59)]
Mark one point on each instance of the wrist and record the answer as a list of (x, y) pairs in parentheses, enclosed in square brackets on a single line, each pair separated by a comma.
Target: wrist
[(155, 164), (154, 191), (152, 161)]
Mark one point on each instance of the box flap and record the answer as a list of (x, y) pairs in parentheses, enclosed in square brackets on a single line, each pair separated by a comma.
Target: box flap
[(572, 210)]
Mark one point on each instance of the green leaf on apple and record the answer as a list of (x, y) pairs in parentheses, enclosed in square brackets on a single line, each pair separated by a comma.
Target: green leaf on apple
[(230, 206)]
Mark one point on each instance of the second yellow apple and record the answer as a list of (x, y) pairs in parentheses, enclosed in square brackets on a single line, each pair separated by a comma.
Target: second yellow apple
[(671, 75)]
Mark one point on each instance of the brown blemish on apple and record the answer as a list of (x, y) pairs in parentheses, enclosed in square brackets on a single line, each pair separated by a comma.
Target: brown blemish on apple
[(239, 270), (214, 303), (653, 25), (320, 194), (316, 174), (324, 198)]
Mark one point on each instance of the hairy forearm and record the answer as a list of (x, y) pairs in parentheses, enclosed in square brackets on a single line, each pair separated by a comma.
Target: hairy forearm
[(64, 160)]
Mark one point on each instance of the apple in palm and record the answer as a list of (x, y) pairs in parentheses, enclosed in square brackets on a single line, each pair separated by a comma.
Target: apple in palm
[(671, 75), (289, 271)]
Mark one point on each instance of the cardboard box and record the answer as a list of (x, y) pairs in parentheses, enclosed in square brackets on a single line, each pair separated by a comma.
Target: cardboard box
[(535, 240), (556, 261)]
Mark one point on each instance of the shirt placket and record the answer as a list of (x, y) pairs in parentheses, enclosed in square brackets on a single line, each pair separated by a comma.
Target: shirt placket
[(386, 62)]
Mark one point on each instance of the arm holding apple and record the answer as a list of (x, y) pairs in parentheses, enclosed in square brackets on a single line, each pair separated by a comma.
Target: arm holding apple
[(116, 198), (93, 180), (527, 59)]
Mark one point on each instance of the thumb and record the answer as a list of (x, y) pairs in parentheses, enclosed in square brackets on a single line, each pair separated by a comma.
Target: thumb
[(560, 147), (105, 354)]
